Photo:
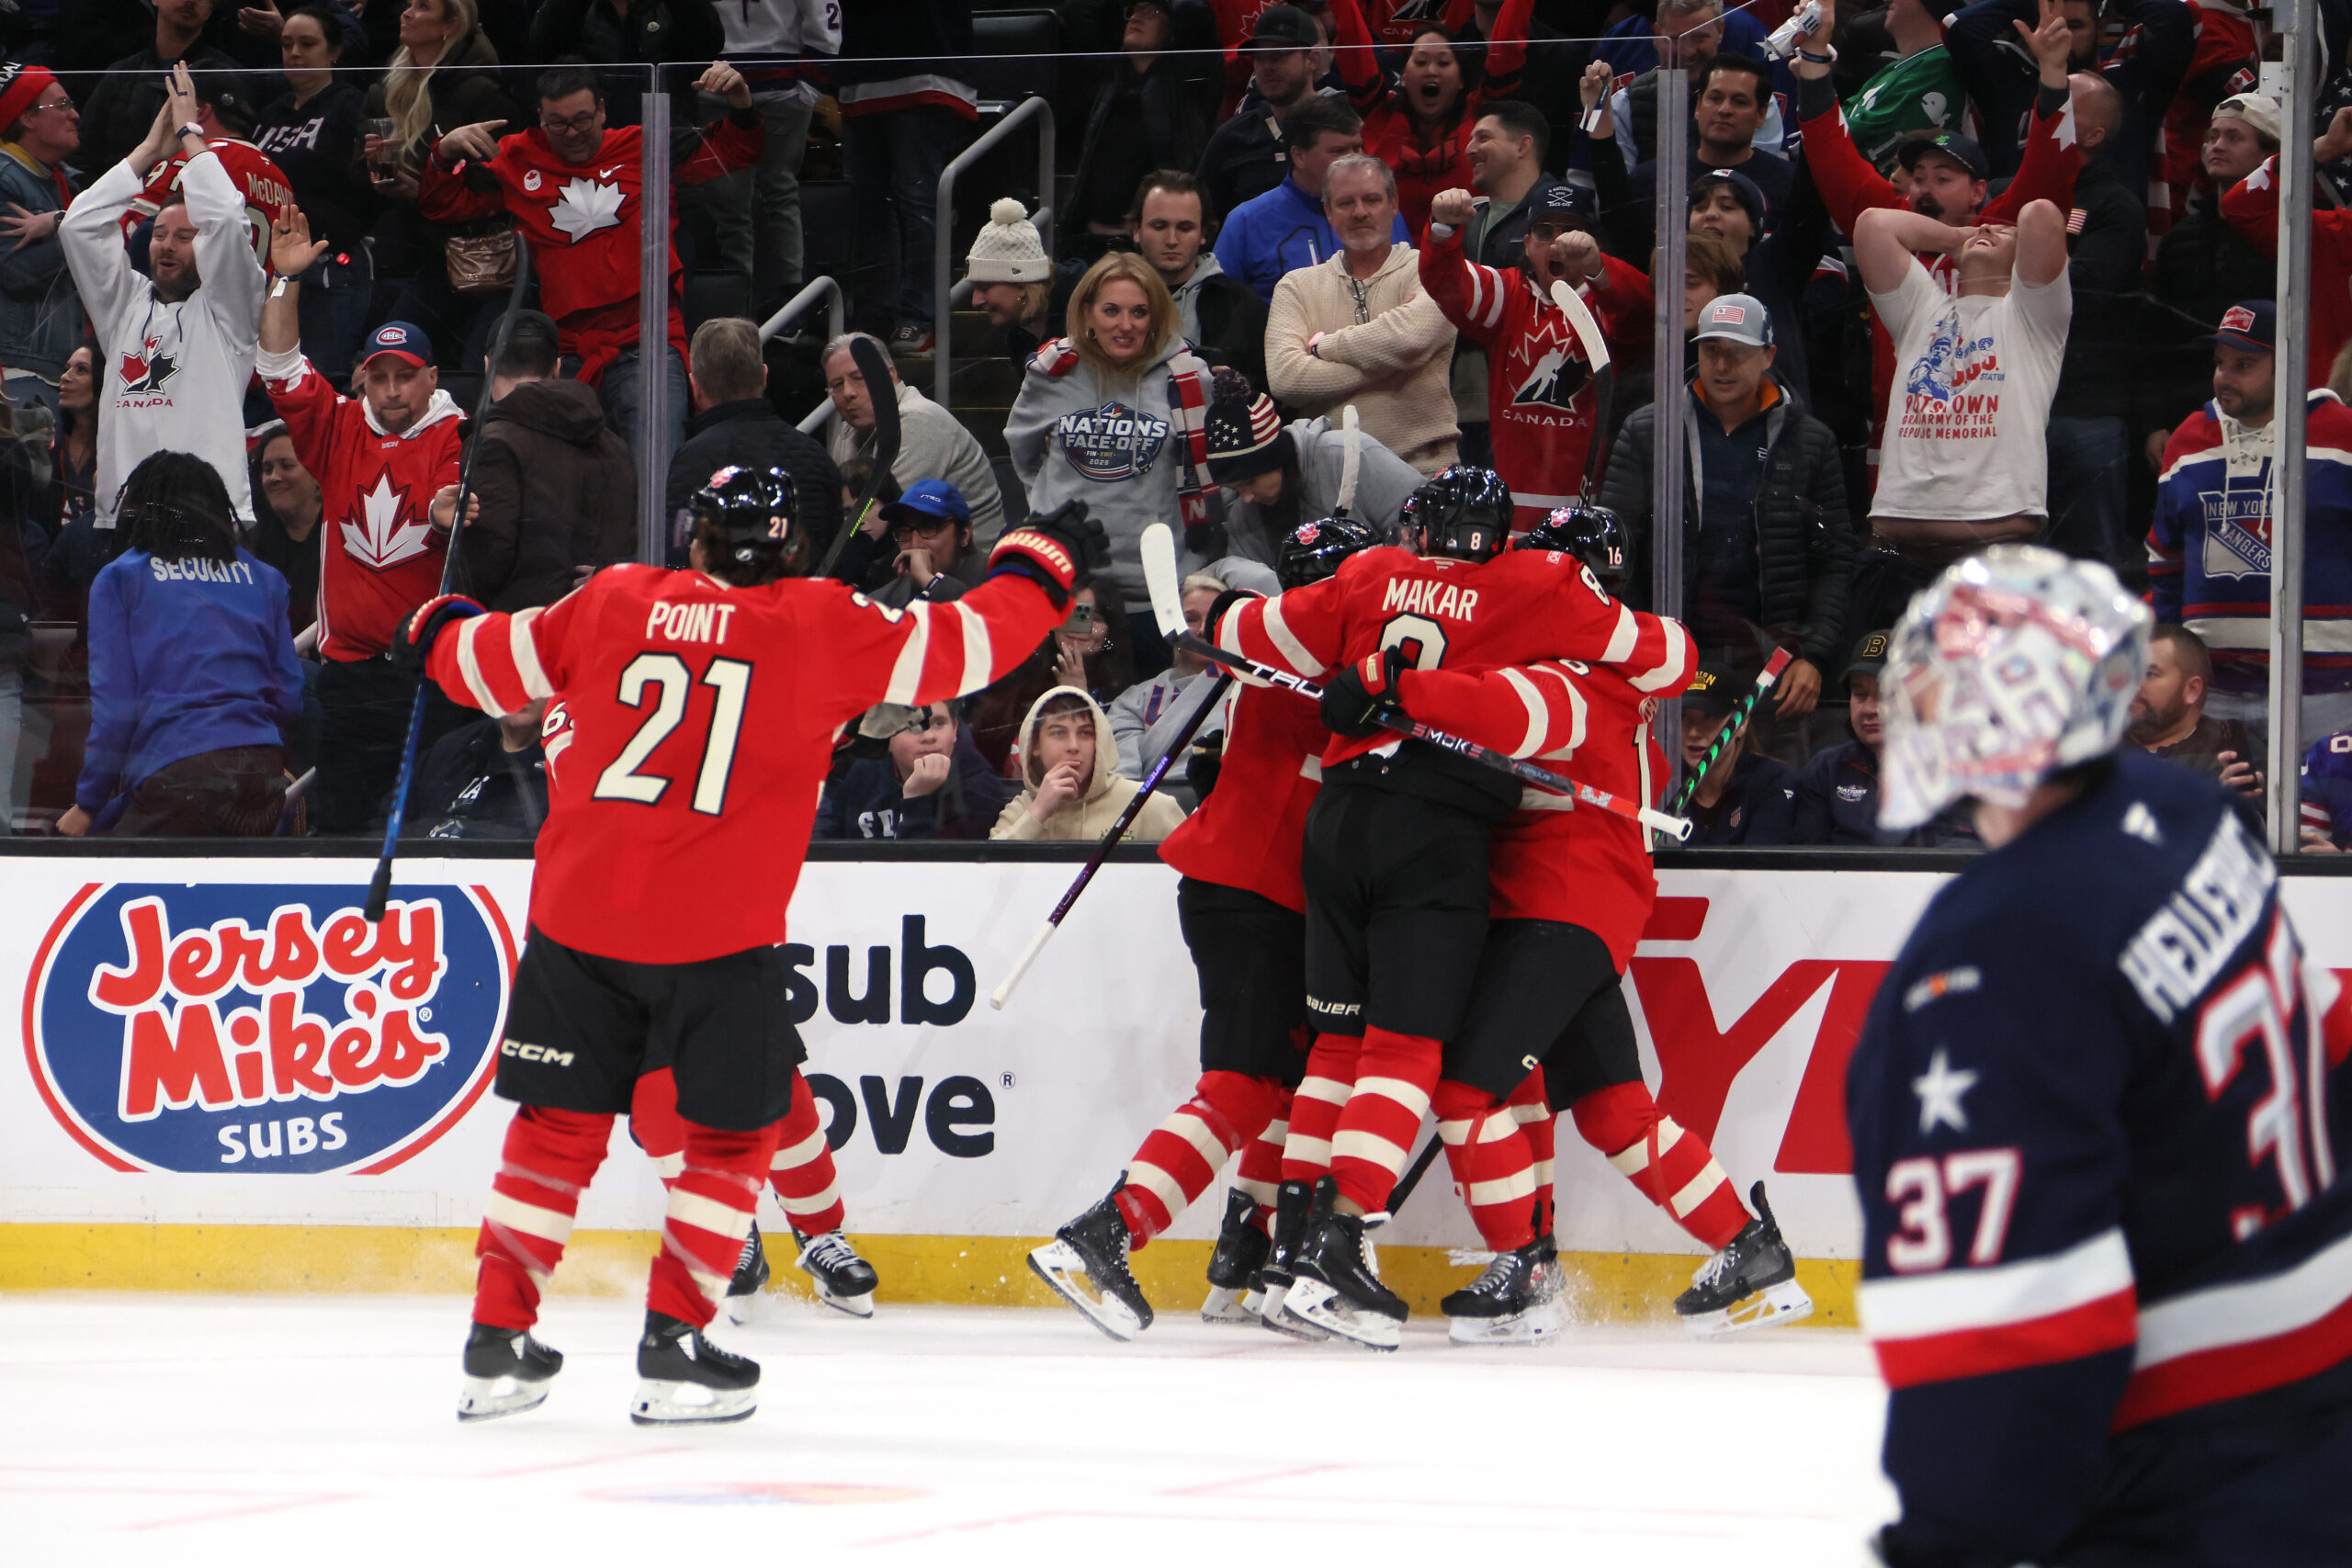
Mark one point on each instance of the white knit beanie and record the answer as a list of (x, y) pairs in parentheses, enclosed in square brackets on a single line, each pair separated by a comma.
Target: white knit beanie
[(1007, 249)]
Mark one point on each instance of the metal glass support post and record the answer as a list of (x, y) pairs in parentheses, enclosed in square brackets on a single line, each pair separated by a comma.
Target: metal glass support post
[(942, 261), (1668, 467), (2281, 792), (653, 320)]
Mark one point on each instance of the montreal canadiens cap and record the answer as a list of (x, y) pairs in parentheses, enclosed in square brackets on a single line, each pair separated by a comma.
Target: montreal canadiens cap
[(2252, 324), (1960, 149), (1737, 318), (401, 339)]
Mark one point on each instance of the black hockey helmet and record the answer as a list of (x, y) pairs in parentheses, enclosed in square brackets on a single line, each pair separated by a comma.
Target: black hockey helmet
[(1313, 551), (1592, 534), (1464, 512), (748, 514)]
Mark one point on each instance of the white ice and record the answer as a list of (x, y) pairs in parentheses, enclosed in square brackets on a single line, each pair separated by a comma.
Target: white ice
[(186, 1430)]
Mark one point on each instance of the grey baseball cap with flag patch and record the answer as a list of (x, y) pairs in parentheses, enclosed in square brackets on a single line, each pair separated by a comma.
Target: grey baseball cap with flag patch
[(1737, 318)]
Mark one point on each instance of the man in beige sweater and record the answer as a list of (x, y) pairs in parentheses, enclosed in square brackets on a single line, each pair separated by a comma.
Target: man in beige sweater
[(1359, 328)]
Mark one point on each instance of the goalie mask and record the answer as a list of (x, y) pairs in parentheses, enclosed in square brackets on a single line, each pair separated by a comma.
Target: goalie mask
[(1313, 551), (1592, 534), (2011, 666), (749, 512), (1463, 512)]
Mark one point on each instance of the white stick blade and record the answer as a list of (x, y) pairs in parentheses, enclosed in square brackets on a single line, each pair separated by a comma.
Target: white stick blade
[(1579, 315), (1159, 578)]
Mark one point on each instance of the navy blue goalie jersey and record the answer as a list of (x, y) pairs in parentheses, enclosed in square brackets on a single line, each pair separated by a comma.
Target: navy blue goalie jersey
[(2096, 1114)]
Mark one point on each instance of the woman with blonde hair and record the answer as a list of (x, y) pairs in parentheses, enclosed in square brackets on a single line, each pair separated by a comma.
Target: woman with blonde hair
[(1115, 415), (444, 74)]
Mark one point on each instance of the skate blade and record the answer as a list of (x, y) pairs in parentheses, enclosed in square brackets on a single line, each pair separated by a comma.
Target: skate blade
[(1774, 1304), (1061, 1268), (659, 1402), (1272, 1314), (744, 1308), (1319, 1305), (1539, 1322), (1229, 1308), (855, 1307), (486, 1399)]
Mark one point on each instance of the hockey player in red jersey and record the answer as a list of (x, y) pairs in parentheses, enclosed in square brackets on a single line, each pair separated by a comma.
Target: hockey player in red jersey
[(383, 461), (1540, 393), (1396, 849), (1241, 904), (703, 706), (1571, 892)]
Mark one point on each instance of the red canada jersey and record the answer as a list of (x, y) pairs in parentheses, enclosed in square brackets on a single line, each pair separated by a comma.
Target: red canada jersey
[(1427, 158), (268, 194), (583, 225), (380, 555), (1540, 400), (1522, 607), (1250, 830), (1554, 860), (1850, 185), (701, 724)]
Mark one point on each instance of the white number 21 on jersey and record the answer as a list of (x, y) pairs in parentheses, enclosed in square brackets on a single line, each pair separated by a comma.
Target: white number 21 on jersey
[(730, 678)]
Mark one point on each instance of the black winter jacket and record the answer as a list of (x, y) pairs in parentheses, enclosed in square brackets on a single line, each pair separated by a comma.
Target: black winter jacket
[(747, 433), (559, 492), (2105, 256), (120, 108), (2203, 267), (682, 36), (1244, 157), (1805, 540), (1173, 132)]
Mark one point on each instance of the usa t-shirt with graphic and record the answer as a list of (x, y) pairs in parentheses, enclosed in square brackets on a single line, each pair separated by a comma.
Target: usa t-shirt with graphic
[(1966, 417)]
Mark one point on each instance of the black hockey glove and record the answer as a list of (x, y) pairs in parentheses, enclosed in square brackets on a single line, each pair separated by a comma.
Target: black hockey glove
[(1361, 699), (1203, 763), (1060, 550), (413, 641)]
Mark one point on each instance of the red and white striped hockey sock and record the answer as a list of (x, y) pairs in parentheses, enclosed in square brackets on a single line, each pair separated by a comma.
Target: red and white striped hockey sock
[(710, 1213), (1382, 1116), (1541, 1125), (549, 1159), (1688, 1183), (1315, 1107), (1183, 1154), (1261, 1163), (802, 1170), (1493, 1166)]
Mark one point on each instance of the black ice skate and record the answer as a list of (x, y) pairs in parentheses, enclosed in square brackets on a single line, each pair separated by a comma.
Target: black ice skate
[(506, 1370), (743, 1298), (683, 1379), (844, 1280), (1094, 1245), (1271, 1283), (1336, 1286), (1752, 1283), (1515, 1301), (1242, 1250)]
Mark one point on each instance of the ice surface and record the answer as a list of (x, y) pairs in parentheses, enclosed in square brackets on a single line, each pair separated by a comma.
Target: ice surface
[(191, 1430)]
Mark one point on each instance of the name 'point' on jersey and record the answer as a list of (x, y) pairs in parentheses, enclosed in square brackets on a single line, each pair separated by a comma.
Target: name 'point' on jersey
[(2107, 1250)]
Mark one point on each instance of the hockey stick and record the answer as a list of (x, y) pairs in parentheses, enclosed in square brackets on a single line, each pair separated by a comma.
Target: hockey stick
[(1604, 379), (1159, 578), (1732, 727), (883, 393), (1003, 992), (381, 888), (1412, 1178), (1350, 460)]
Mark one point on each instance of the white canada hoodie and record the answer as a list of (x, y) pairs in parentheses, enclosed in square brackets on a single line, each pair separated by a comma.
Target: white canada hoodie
[(173, 376)]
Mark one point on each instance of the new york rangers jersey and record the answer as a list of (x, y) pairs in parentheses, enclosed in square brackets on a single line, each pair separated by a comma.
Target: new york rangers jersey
[(2107, 1253), (2327, 788), (2209, 546)]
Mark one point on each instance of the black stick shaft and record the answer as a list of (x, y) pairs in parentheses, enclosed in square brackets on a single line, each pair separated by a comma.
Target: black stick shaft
[(1732, 727), (883, 393), (1143, 792), (1412, 1178)]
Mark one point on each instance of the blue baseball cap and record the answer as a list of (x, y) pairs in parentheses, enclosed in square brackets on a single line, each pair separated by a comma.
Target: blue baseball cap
[(401, 338), (929, 498), (2250, 324)]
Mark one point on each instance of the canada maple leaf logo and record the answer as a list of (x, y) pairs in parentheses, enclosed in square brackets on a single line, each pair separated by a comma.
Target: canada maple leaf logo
[(379, 540), (583, 207), (147, 370)]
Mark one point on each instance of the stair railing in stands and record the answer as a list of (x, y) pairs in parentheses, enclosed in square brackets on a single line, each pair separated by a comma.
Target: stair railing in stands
[(829, 291), (943, 262)]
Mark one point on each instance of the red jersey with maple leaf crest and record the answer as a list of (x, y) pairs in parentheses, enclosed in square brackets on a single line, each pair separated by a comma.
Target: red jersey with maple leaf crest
[(267, 193), (582, 224), (1539, 387), (1250, 830), (380, 555), (702, 719)]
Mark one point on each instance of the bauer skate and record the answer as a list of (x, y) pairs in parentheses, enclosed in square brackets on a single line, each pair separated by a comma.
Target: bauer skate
[(1752, 1283), (506, 1370), (684, 1379), (744, 1300), (1271, 1284), (1515, 1301), (1241, 1248), (1094, 1246), (1337, 1285), (844, 1280)]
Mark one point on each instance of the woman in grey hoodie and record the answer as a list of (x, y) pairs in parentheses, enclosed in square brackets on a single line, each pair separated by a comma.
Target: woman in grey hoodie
[(1099, 419)]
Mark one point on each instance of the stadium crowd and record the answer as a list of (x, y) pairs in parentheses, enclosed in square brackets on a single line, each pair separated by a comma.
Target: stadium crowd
[(1955, 275)]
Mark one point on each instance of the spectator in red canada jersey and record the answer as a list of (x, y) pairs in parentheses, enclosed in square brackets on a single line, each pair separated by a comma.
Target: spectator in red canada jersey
[(387, 468), (573, 186)]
